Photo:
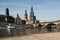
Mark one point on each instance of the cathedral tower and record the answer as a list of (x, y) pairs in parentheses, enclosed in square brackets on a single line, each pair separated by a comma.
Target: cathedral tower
[(31, 12), (32, 17)]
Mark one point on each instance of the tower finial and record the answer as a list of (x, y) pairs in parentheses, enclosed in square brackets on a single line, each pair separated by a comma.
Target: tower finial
[(7, 9), (17, 15), (25, 11), (31, 8)]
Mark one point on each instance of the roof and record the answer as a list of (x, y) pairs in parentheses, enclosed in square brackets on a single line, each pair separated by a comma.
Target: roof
[(2, 18)]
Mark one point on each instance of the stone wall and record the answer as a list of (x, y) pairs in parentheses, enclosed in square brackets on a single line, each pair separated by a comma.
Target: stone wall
[(17, 31)]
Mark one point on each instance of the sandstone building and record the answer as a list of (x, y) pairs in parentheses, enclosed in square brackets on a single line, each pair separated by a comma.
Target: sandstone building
[(27, 25), (10, 19)]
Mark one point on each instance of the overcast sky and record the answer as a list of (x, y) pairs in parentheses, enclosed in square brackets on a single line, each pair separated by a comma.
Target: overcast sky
[(45, 10)]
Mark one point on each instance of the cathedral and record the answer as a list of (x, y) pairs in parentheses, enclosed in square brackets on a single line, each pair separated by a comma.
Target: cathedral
[(17, 26), (6, 19), (26, 25), (30, 22), (32, 17)]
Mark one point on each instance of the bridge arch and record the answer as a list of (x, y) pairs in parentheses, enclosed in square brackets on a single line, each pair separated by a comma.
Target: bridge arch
[(51, 27)]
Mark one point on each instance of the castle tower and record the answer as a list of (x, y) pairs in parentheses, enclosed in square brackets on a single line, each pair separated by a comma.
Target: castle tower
[(7, 15), (25, 16), (32, 17), (7, 12)]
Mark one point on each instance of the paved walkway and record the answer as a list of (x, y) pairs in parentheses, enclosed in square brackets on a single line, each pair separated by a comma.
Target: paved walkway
[(45, 36)]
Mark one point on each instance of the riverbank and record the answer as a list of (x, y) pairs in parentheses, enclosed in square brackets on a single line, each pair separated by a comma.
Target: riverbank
[(44, 36)]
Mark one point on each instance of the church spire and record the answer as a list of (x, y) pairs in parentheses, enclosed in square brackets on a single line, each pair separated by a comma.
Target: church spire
[(32, 17), (25, 15), (31, 12)]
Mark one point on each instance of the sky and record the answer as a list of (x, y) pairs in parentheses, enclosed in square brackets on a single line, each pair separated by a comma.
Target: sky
[(44, 10)]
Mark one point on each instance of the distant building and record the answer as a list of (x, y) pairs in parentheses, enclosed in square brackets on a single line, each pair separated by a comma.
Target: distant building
[(30, 21), (5, 19), (17, 26)]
